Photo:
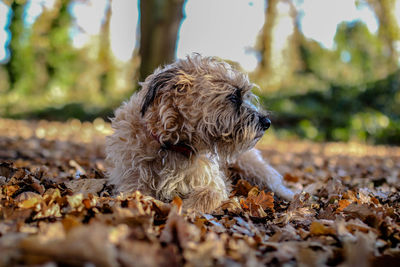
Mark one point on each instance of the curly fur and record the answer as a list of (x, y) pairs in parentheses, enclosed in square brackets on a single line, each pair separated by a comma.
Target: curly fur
[(201, 105)]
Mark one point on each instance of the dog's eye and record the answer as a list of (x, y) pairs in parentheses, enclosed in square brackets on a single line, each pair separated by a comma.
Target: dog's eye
[(235, 98)]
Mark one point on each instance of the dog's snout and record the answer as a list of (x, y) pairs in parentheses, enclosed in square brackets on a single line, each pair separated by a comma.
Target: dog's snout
[(264, 122)]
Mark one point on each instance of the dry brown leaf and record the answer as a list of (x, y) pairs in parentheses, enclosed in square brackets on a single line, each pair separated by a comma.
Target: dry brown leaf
[(291, 178), (10, 189), (28, 200), (52, 195), (243, 203), (265, 200), (86, 186), (241, 188), (350, 195), (70, 222), (75, 202), (343, 203), (177, 202), (179, 231), (317, 228), (233, 205), (55, 225), (30, 203), (86, 243), (53, 210), (140, 253)]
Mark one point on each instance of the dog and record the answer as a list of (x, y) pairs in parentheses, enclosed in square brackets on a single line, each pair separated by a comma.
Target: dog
[(190, 124)]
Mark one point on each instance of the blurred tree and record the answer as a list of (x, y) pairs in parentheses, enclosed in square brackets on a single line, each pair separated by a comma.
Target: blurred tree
[(45, 67), (370, 112), (278, 45), (389, 30), (104, 57), (42, 46), (43, 64), (159, 25), (266, 37), (20, 64), (360, 52), (354, 60), (62, 60)]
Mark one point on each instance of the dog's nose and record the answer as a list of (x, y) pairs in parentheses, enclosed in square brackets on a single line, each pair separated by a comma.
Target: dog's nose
[(264, 122)]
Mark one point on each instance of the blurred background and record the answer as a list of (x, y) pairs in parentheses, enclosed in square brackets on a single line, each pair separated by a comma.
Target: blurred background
[(329, 70)]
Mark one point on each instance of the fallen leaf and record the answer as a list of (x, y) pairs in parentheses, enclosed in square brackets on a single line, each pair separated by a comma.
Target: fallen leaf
[(28, 200), (177, 202), (317, 228), (177, 230), (265, 200), (343, 203), (86, 186), (291, 178)]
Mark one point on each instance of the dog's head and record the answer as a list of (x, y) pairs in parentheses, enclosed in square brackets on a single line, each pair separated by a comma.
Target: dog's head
[(205, 104)]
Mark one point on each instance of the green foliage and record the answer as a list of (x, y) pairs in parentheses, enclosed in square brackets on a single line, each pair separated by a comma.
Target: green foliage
[(80, 111), (20, 67), (355, 94), (46, 71), (348, 93), (354, 60), (362, 51), (365, 113)]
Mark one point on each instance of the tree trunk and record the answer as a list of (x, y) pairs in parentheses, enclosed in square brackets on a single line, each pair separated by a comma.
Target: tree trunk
[(17, 30), (266, 37), (279, 49), (389, 30), (104, 56), (159, 24)]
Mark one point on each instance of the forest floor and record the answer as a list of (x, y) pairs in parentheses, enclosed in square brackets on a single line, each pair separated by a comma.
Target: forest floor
[(56, 208)]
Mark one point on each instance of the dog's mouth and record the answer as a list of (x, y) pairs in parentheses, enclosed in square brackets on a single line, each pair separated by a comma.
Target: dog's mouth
[(259, 134), (260, 131)]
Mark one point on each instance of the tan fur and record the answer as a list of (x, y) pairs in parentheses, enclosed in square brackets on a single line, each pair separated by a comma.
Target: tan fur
[(189, 103)]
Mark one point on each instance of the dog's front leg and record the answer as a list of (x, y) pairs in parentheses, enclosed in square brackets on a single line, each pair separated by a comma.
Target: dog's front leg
[(260, 173), (206, 185), (204, 199)]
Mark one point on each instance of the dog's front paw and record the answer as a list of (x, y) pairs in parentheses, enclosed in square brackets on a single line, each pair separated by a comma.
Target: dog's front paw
[(204, 199), (285, 192), (274, 181)]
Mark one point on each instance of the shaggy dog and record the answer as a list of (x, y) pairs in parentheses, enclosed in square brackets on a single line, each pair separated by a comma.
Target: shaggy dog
[(192, 122)]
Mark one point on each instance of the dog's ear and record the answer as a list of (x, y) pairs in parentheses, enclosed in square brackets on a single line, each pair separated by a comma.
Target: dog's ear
[(159, 81), (183, 83), (166, 92)]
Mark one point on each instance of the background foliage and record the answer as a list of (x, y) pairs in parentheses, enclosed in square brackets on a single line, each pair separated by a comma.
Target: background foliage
[(350, 92)]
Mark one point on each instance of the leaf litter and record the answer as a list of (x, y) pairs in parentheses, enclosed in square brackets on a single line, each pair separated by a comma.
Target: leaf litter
[(57, 209)]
